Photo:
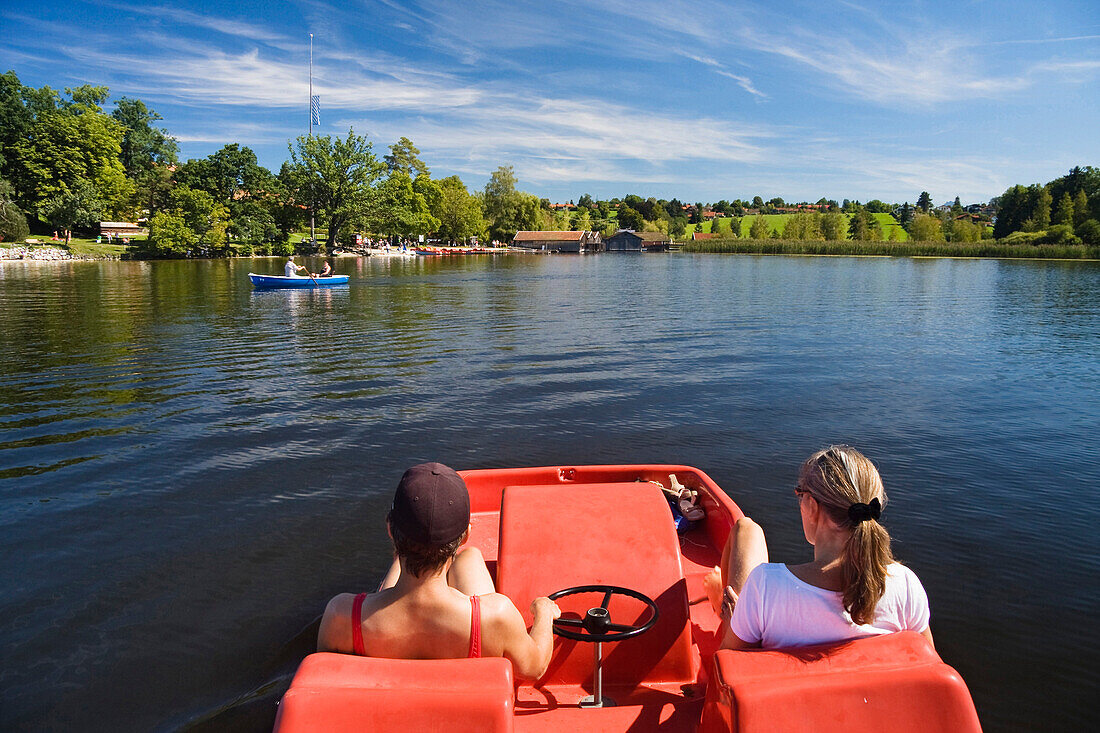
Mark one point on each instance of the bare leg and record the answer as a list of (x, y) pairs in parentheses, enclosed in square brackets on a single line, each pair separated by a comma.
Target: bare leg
[(469, 574), (745, 549)]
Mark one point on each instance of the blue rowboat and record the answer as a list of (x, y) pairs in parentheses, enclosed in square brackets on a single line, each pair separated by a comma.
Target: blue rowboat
[(279, 281)]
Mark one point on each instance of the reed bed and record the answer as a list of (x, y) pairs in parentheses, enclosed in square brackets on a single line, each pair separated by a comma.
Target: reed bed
[(895, 249)]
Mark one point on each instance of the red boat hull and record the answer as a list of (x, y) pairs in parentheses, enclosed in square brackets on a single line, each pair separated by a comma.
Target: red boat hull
[(545, 529)]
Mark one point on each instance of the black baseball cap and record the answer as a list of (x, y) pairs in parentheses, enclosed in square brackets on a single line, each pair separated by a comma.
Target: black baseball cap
[(431, 505)]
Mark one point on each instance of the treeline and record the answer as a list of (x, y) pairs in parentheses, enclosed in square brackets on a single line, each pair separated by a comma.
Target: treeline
[(66, 164), (1063, 211)]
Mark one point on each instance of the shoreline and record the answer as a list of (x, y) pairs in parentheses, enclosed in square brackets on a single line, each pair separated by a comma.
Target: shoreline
[(930, 250)]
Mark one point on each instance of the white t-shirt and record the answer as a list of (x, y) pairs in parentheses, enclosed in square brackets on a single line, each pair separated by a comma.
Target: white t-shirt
[(778, 610), (291, 269)]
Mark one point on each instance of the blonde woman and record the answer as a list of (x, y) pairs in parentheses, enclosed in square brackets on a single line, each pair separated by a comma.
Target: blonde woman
[(852, 588)]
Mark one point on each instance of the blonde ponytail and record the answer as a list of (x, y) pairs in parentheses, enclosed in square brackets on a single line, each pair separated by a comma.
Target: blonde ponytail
[(848, 486)]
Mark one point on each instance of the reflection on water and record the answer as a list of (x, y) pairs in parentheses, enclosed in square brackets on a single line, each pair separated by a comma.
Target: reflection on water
[(190, 468)]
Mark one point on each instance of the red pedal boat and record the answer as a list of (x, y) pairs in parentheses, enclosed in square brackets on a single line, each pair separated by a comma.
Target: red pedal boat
[(553, 529)]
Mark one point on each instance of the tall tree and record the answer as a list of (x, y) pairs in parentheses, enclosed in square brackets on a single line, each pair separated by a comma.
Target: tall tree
[(834, 226), (1080, 208), (398, 209), (147, 153), (924, 202), (404, 158), (75, 205), (759, 228), (459, 213), (71, 140), (630, 218), (506, 209), (13, 224), (337, 175), (925, 228), (1063, 210)]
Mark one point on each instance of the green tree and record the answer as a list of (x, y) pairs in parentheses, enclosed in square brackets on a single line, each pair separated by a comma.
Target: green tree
[(864, 227), (252, 223), (924, 202), (630, 218), (962, 230), (581, 219), (925, 228), (230, 174), (1080, 208), (13, 224), (72, 140), (508, 210), (1089, 231), (956, 206), (905, 214), (169, 236), (337, 175), (75, 205), (404, 157), (398, 209), (459, 213), (1041, 209), (147, 153), (834, 226), (1063, 210), (759, 228), (203, 215)]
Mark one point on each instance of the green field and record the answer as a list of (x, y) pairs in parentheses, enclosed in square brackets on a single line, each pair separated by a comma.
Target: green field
[(779, 221)]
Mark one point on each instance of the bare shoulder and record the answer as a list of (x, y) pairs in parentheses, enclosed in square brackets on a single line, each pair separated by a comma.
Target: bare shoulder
[(335, 632), (498, 609)]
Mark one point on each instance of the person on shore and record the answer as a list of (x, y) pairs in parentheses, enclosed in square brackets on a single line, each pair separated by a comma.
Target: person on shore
[(437, 602), (852, 588), (292, 268)]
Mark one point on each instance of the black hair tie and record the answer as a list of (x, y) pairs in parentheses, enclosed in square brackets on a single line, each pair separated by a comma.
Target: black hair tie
[(859, 513)]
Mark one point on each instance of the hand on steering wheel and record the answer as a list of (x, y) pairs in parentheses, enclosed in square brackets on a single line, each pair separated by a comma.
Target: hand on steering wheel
[(597, 625)]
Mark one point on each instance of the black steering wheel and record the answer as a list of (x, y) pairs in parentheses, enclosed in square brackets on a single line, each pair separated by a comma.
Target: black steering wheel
[(597, 625)]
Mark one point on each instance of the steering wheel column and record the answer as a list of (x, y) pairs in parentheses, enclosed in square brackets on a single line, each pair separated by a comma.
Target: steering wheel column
[(597, 627)]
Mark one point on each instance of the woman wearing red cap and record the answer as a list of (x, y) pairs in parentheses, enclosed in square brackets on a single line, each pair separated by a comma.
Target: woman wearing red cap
[(437, 602)]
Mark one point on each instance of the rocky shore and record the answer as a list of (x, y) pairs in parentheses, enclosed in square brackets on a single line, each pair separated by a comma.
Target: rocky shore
[(20, 252)]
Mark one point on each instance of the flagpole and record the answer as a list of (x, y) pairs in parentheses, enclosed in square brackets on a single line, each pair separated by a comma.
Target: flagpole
[(312, 234)]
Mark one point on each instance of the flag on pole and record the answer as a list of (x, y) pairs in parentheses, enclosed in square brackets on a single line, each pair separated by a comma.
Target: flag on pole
[(315, 109)]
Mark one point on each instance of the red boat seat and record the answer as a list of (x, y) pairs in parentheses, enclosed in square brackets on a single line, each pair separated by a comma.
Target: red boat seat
[(559, 536), (894, 682), (339, 693)]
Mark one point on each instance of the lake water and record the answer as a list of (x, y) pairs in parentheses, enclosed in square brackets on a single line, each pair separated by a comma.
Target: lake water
[(189, 469)]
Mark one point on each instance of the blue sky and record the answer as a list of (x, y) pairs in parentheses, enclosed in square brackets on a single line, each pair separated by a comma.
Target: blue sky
[(700, 100)]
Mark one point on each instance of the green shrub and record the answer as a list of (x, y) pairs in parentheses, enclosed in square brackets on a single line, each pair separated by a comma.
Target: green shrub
[(1089, 231), (1059, 234)]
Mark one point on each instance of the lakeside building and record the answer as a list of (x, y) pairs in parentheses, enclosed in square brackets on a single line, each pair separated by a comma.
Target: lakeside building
[(701, 235), (121, 228), (626, 240), (558, 241)]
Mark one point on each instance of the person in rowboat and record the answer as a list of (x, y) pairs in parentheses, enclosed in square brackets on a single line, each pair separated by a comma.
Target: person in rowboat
[(437, 602), (292, 268), (326, 270), (853, 587)]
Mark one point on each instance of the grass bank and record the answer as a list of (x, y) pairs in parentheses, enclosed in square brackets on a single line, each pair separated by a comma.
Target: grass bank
[(896, 249)]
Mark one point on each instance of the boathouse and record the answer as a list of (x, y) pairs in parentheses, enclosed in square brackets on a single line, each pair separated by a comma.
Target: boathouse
[(121, 228), (558, 241), (628, 241), (701, 235)]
